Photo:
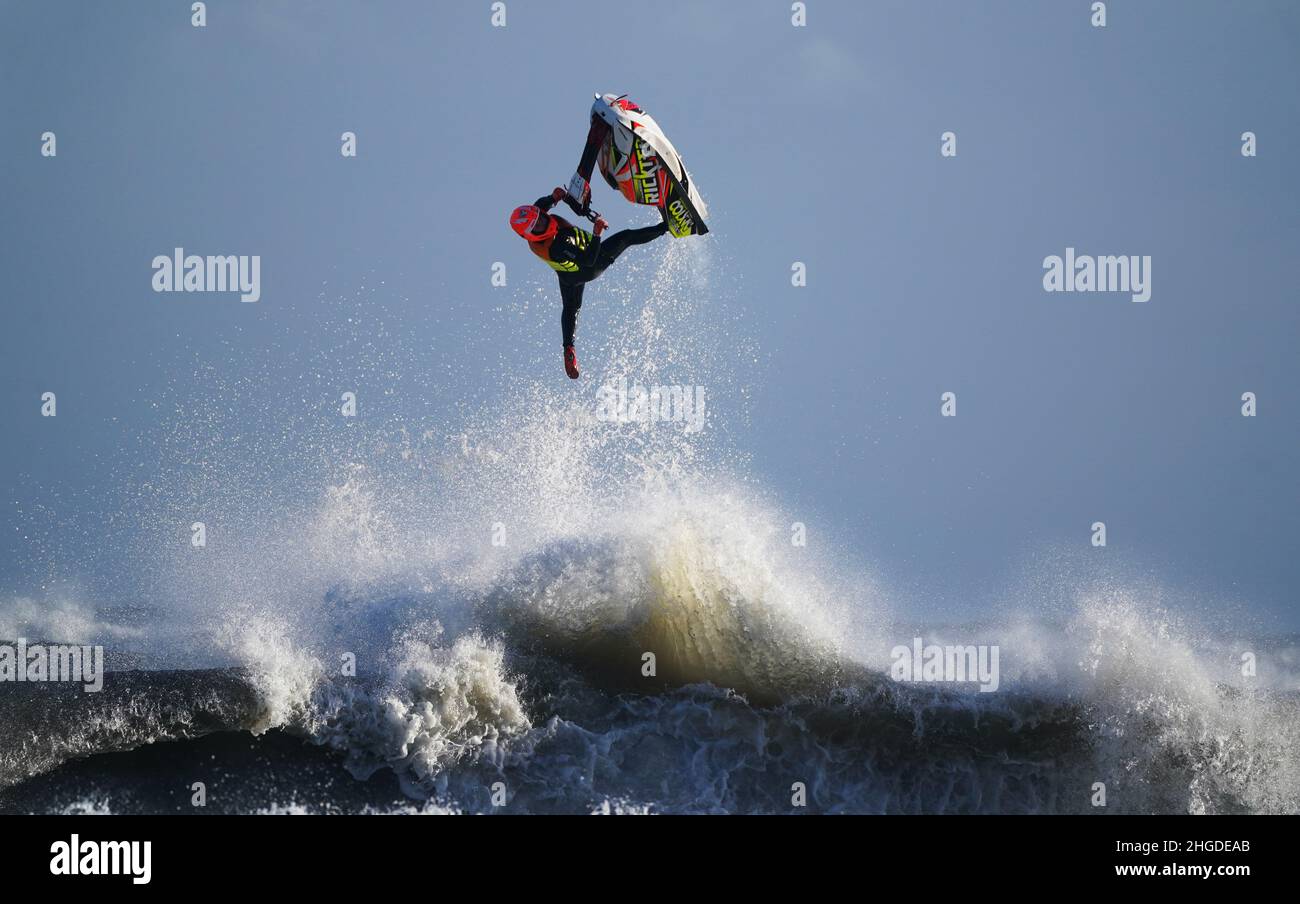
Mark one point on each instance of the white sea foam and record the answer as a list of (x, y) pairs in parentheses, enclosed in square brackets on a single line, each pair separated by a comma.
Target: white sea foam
[(61, 619)]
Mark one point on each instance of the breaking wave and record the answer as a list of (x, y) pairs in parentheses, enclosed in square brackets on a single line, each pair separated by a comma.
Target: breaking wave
[(551, 612)]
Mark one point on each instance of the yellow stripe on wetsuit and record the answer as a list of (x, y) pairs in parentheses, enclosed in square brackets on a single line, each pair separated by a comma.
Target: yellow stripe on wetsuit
[(580, 239)]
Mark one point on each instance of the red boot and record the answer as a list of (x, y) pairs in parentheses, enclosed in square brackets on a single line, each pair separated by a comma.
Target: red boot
[(571, 362)]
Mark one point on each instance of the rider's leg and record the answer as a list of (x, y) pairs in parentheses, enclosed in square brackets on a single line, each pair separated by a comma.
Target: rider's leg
[(619, 242), (571, 294)]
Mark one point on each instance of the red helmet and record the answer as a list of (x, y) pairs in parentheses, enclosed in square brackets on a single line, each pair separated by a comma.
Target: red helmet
[(524, 219)]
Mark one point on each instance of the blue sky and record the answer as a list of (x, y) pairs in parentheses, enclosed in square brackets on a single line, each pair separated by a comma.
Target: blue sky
[(817, 144)]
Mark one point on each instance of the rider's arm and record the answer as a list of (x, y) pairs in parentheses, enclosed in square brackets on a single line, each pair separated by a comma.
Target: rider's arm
[(549, 201)]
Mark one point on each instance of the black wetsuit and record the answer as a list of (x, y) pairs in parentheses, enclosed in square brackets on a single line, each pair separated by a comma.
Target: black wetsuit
[(589, 255)]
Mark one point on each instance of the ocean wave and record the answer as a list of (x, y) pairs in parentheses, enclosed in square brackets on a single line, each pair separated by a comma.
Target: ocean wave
[(502, 585), (452, 718), (47, 724)]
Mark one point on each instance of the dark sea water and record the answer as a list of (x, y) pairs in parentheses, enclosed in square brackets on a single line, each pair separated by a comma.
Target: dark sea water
[(439, 735)]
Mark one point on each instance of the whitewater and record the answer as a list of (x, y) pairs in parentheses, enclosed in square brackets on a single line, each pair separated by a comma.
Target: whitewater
[(498, 582)]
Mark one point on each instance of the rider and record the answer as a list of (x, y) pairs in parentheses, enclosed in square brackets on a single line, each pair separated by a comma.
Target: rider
[(577, 256)]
